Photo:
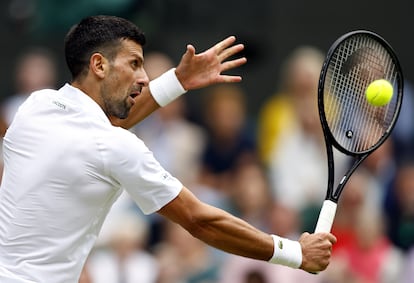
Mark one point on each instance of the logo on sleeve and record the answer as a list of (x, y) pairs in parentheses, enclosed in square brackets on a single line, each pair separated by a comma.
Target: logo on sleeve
[(280, 245), (165, 176)]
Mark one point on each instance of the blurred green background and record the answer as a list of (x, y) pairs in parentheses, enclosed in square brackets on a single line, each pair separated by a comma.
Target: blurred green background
[(269, 29)]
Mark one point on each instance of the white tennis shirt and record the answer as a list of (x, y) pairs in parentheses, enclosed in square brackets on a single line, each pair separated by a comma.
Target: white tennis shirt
[(64, 166)]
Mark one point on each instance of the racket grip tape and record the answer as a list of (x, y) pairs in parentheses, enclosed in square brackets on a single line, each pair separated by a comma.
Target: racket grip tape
[(326, 217)]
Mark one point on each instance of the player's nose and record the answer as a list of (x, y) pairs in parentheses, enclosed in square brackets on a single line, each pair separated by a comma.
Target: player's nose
[(142, 78)]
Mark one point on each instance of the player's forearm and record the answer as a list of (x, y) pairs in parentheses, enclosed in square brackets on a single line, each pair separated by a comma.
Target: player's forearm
[(230, 234), (217, 227)]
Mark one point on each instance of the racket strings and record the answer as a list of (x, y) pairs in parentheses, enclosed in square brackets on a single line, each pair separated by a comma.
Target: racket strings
[(369, 70), (355, 124)]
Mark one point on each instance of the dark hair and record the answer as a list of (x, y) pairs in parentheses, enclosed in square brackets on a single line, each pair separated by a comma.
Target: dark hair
[(97, 34)]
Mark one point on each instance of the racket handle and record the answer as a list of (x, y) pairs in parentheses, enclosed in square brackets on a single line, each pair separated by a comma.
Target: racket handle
[(326, 217)]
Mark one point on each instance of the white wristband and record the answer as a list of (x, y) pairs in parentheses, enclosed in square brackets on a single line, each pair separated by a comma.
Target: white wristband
[(286, 252), (166, 88)]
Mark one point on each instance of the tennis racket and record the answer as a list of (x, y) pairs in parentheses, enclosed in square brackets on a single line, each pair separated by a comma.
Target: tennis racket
[(350, 124)]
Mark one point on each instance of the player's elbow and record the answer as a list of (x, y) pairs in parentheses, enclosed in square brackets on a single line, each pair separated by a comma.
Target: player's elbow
[(201, 225), (197, 226)]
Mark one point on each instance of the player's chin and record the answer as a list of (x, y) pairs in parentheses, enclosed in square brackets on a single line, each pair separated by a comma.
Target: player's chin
[(124, 113)]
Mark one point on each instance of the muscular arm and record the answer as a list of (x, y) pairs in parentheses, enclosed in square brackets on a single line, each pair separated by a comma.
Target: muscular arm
[(233, 235), (217, 227)]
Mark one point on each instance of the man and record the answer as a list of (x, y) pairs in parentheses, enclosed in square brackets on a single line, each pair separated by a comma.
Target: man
[(35, 69), (65, 163)]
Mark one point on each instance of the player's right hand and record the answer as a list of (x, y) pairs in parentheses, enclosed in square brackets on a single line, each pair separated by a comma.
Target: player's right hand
[(316, 251)]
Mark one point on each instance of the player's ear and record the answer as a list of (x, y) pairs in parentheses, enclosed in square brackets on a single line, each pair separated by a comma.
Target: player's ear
[(98, 64)]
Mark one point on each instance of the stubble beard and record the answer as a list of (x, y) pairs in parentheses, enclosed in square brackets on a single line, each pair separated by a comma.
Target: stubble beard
[(113, 106)]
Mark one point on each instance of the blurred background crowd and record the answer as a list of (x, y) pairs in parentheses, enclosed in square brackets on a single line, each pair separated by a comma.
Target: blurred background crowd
[(255, 149)]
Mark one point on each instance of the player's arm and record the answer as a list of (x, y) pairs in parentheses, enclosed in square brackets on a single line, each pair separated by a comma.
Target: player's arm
[(233, 235), (194, 71)]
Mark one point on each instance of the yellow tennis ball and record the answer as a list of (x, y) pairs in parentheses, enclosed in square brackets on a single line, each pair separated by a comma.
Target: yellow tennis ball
[(379, 92)]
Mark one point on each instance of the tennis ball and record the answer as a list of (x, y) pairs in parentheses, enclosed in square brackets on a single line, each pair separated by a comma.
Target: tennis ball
[(379, 92)]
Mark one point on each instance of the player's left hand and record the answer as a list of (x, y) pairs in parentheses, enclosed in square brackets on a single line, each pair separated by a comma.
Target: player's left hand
[(200, 70)]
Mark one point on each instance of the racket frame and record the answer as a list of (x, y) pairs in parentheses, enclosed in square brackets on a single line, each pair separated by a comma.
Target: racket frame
[(328, 210), (330, 141)]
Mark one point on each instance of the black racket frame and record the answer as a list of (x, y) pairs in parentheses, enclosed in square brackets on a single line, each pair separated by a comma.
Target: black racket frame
[(330, 141)]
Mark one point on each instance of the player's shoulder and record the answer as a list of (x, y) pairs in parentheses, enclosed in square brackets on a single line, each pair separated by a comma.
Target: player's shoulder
[(122, 138), (123, 146), (36, 98), (43, 92)]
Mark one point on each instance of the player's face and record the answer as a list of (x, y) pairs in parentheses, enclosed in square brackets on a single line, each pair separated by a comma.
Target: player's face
[(125, 79)]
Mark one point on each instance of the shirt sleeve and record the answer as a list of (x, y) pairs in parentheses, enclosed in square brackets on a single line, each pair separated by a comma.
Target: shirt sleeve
[(134, 166)]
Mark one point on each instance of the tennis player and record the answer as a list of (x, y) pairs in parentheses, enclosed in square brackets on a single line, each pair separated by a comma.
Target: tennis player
[(65, 163)]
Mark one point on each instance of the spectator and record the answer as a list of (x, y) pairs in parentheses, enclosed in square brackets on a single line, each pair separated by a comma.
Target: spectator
[(184, 258), (297, 85), (251, 195), (125, 259), (35, 70), (254, 203), (229, 139), (383, 167), (408, 272), (400, 207), (364, 253), (297, 156)]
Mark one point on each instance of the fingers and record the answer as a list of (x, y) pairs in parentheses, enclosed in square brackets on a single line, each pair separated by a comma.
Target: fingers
[(228, 52), (190, 50), (328, 236), (233, 64), (328, 240), (225, 49), (332, 238), (229, 79), (230, 65), (222, 50), (305, 234), (200, 70), (219, 47), (317, 250)]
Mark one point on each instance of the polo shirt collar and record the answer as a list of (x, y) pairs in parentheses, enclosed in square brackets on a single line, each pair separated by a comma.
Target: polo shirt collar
[(83, 100)]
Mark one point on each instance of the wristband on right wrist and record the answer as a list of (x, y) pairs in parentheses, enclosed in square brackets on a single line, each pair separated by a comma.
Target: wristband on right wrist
[(286, 252), (166, 88)]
